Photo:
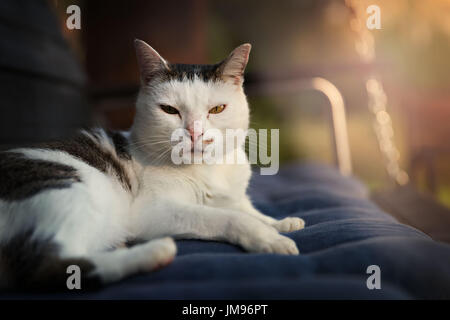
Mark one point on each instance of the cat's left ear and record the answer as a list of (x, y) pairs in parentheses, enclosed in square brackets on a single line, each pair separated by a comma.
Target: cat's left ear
[(232, 68)]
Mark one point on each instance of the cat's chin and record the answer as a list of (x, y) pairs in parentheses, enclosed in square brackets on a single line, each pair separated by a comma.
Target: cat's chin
[(199, 157), (193, 153)]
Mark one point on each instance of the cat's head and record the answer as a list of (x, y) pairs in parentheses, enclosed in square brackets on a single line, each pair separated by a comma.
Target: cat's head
[(196, 98)]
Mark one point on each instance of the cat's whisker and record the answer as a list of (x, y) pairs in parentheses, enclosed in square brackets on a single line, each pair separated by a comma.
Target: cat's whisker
[(150, 144), (146, 141), (146, 145), (161, 149), (161, 157), (158, 151)]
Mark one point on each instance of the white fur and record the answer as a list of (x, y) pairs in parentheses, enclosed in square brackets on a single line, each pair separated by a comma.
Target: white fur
[(198, 201), (72, 215)]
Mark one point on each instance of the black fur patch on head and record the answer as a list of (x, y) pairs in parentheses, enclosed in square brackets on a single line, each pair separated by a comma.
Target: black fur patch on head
[(30, 264), (91, 152), (180, 72), (21, 177)]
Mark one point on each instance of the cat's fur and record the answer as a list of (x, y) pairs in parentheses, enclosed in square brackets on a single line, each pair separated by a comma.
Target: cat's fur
[(76, 202)]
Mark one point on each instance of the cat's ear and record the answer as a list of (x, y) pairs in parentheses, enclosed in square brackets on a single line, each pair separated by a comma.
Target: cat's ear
[(233, 67), (149, 61)]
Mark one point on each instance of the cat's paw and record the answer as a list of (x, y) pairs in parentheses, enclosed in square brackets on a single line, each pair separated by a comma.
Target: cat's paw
[(289, 224), (159, 252), (268, 241), (279, 245), (256, 236)]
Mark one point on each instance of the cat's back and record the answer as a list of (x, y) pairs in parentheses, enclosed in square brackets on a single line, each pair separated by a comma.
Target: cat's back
[(25, 172), (89, 177)]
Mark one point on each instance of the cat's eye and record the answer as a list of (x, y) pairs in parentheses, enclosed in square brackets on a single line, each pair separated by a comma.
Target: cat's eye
[(169, 109), (217, 109)]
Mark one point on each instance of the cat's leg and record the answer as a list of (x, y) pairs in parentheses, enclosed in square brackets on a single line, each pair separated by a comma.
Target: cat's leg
[(43, 264), (111, 266), (288, 224), (187, 221)]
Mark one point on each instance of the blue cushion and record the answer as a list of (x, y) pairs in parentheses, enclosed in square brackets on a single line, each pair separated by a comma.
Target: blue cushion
[(345, 233)]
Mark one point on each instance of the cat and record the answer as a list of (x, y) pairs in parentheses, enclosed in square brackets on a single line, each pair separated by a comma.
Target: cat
[(78, 201)]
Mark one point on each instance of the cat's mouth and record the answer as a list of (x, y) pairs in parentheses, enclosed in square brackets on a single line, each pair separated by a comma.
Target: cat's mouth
[(199, 147), (195, 150)]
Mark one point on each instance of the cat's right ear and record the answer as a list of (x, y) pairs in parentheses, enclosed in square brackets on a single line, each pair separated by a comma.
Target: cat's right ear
[(149, 61)]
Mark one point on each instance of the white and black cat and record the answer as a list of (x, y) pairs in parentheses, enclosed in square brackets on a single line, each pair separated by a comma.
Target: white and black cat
[(78, 201)]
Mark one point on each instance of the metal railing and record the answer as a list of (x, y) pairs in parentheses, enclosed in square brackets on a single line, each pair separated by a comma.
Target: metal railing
[(339, 130)]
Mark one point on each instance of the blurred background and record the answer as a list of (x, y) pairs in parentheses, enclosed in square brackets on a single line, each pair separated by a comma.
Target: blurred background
[(53, 79)]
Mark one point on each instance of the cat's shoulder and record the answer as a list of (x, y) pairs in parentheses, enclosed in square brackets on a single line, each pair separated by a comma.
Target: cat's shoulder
[(105, 150)]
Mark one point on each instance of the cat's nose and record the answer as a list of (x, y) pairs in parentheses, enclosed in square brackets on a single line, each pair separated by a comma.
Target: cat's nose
[(195, 134)]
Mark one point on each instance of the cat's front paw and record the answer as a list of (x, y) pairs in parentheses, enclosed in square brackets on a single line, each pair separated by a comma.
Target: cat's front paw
[(289, 224), (256, 236), (279, 245), (268, 241)]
